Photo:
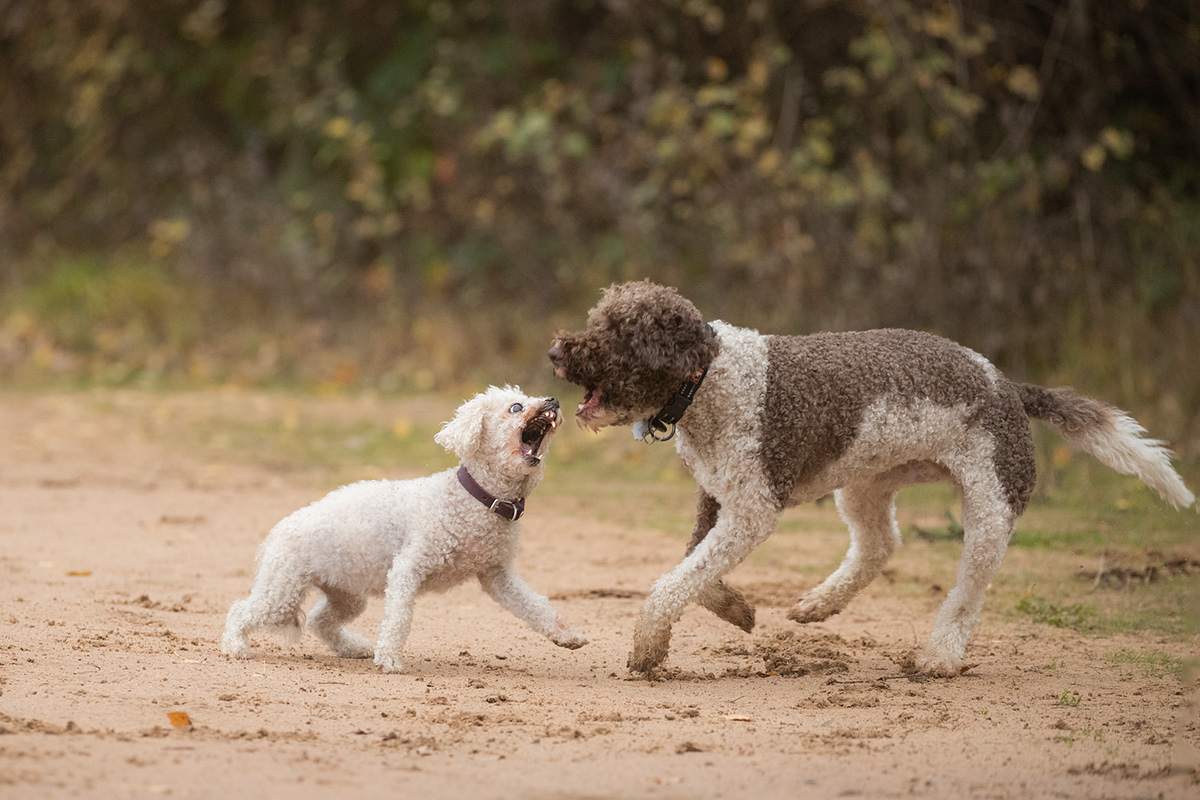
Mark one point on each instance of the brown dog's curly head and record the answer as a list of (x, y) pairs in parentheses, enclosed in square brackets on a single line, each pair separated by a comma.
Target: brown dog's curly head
[(642, 340)]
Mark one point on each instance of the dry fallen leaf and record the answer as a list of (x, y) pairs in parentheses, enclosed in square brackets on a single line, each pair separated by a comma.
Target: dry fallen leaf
[(83, 573), (179, 719)]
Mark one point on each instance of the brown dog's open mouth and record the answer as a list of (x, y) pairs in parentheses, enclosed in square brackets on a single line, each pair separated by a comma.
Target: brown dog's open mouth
[(591, 404), (535, 432)]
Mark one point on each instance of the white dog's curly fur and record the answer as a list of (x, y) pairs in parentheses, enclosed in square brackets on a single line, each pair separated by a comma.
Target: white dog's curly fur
[(398, 538)]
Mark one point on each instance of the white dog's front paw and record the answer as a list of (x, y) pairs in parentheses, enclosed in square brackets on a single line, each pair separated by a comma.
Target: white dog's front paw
[(569, 639), (388, 662), (563, 636)]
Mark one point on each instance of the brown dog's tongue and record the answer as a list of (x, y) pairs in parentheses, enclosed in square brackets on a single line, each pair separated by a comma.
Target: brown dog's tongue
[(590, 398)]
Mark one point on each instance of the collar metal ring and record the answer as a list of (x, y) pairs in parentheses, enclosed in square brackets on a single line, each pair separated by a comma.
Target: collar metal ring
[(668, 430)]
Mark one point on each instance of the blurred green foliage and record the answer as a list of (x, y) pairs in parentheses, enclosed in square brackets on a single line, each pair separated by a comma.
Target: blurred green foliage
[(408, 193)]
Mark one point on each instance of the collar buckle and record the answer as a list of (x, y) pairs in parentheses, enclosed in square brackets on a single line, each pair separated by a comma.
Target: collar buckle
[(507, 509)]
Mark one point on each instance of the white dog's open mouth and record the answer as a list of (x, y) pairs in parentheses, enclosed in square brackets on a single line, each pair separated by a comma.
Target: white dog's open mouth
[(537, 430)]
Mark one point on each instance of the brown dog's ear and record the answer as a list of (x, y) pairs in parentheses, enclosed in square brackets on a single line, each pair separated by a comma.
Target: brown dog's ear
[(675, 340), (463, 435), (697, 355)]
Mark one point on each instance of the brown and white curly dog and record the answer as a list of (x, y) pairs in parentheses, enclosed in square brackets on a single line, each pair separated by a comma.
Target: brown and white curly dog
[(774, 421)]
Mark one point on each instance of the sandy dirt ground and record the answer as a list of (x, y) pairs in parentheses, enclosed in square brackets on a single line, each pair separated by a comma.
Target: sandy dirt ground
[(120, 554)]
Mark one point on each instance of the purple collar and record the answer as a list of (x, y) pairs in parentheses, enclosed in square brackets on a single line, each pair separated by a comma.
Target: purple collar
[(511, 510)]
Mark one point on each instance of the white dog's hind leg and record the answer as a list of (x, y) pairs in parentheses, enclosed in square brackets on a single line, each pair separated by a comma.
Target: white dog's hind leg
[(274, 602), (869, 511), (234, 642), (252, 613), (988, 522), (513, 594), (328, 617)]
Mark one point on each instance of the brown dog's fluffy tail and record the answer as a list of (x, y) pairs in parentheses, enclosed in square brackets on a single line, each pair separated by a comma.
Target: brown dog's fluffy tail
[(1109, 434)]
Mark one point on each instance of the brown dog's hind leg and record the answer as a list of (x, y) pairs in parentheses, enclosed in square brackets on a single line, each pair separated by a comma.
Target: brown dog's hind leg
[(727, 603)]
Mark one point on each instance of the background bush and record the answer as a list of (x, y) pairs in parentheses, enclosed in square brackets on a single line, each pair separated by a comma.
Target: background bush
[(412, 194)]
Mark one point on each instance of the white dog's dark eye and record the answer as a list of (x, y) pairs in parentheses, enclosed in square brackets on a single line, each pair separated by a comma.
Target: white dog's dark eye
[(516, 408)]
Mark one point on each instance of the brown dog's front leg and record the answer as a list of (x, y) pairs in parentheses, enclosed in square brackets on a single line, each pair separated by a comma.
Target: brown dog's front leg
[(727, 603), (738, 530)]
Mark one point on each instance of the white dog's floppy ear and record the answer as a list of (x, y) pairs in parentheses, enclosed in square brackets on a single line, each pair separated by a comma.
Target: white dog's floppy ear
[(463, 435)]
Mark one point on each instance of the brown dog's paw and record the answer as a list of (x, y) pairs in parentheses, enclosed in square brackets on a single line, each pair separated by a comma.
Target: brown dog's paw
[(811, 609), (644, 659), (641, 665), (728, 604), (940, 665), (740, 614)]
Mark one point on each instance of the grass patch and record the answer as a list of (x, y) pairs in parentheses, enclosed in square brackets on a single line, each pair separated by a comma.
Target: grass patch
[(1085, 536), (1165, 609), (1075, 617), (1164, 618), (1151, 664), (1081, 529)]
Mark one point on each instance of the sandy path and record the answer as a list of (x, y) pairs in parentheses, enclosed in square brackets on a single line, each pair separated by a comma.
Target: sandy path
[(121, 554)]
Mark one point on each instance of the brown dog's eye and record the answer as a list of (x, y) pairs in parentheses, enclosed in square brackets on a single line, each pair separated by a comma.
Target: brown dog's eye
[(516, 408)]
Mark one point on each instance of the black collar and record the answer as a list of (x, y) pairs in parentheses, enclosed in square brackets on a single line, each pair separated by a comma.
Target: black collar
[(511, 510), (661, 427)]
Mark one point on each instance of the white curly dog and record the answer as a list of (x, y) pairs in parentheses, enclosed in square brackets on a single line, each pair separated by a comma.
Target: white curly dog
[(399, 538)]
